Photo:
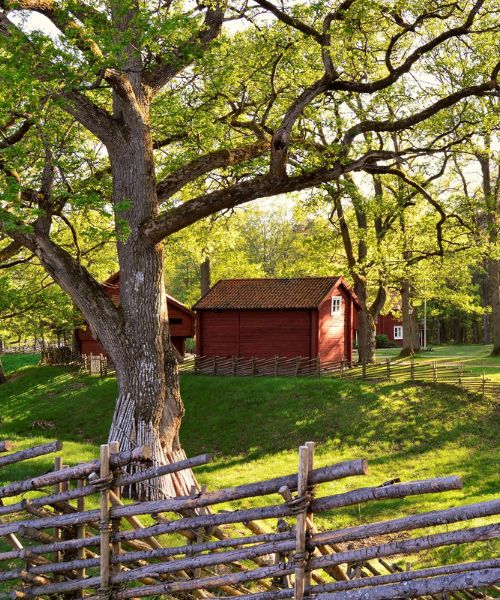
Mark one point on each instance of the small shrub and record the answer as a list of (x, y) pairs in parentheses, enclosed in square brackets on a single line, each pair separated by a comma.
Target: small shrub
[(382, 341)]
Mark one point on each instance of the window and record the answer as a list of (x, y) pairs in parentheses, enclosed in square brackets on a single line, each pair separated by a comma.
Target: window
[(336, 305), (398, 332), (175, 321)]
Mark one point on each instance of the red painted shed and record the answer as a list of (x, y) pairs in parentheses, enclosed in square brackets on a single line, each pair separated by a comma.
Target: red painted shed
[(306, 316), (181, 320)]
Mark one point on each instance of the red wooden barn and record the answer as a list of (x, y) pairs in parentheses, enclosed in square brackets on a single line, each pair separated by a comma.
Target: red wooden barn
[(306, 316), (181, 321)]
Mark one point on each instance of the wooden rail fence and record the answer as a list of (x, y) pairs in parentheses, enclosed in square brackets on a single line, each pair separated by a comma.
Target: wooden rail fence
[(411, 370), (74, 537)]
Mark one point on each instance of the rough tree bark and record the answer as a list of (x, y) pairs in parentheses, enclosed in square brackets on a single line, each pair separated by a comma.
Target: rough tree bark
[(494, 277), (367, 320), (411, 342), (205, 276), (149, 408)]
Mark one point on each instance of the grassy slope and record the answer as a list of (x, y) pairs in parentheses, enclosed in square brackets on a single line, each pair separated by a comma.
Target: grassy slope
[(255, 426)]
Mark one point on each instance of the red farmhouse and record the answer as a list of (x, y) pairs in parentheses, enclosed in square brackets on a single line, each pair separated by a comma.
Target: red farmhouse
[(181, 321), (307, 317)]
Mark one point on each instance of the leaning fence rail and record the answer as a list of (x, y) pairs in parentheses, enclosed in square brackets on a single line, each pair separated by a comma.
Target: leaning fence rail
[(61, 546)]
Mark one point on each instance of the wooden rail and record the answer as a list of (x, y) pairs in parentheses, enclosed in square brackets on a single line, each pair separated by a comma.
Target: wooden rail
[(410, 370)]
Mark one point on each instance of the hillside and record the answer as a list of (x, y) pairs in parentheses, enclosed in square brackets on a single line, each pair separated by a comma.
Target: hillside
[(255, 426)]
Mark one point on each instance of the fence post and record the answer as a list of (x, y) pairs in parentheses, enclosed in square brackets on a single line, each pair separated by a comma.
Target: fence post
[(412, 369), (434, 371), (114, 448), (104, 525), (80, 533), (214, 365), (275, 366), (300, 538), (297, 366), (309, 515), (460, 367), (484, 384), (58, 465), (388, 365), (341, 368), (253, 365), (318, 366)]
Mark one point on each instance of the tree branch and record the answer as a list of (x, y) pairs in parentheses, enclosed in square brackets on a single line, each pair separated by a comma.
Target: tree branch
[(205, 164), (94, 118), (189, 212), (407, 122), (292, 21), (416, 55), (17, 136), (9, 251)]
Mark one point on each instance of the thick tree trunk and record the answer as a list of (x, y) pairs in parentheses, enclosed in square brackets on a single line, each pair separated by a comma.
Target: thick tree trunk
[(366, 337), (149, 408), (485, 300), (494, 281), (492, 210), (367, 319), (411, 343)]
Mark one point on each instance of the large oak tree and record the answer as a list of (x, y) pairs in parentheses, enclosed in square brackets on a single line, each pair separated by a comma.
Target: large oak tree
[(189, 119)]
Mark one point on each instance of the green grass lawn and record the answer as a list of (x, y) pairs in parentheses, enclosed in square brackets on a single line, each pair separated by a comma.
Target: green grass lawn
[(254, 426), (13, 362)]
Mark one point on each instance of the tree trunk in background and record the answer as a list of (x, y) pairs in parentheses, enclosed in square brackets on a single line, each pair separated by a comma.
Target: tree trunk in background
[(494, 277), (485, 301), (367, 320), (205, 276), (492, 209), (366, 337), (411, 342), (3, 378)]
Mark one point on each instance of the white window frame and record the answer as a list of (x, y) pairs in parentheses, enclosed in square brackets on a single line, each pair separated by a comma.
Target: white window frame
[(336, 305), (398, 332)]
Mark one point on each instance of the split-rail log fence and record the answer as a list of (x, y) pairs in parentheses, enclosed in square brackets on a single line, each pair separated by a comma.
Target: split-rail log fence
[(74, 537), (411, 370), (408, 370)]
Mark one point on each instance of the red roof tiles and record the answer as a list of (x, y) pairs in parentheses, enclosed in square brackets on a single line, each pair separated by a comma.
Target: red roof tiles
[(300, 292)]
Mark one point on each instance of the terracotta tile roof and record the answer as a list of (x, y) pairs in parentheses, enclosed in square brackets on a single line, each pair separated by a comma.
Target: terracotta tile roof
[(300, 292), (112, 288)]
